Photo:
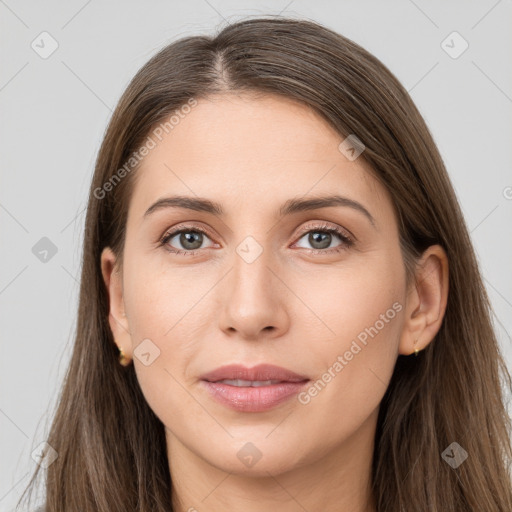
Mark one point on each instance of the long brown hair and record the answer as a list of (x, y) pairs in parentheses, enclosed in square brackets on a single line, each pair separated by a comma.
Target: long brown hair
[(111, 447)]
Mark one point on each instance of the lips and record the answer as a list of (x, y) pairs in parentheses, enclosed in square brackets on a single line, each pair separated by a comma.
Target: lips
[(256, 389), (256, 374)]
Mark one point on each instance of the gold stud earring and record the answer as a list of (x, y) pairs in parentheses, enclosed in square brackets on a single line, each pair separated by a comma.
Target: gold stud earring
[(416, 350), (123, 360)]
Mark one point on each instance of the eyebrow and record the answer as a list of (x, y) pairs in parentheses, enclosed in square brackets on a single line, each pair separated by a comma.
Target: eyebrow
[(291, 206)]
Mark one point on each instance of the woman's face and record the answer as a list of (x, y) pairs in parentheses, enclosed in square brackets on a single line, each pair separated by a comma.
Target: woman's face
[(250, 286)]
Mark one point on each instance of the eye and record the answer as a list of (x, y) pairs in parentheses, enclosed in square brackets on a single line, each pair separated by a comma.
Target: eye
[(190, 238), (321, 237)]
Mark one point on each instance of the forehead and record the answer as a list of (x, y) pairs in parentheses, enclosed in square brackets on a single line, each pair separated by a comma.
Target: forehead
[(245, 151)]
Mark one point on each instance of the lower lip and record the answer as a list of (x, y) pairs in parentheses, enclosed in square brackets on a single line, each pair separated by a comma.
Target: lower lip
[(253, 399)]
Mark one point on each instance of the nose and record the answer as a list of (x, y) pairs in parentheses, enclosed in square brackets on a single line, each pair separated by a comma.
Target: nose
[(253, 299)]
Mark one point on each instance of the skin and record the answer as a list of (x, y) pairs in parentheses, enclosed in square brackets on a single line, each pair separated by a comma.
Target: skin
[(251, 154)]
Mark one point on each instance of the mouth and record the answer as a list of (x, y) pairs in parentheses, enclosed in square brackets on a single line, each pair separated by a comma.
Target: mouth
[(239, 383), (256, 389), (259, 373)]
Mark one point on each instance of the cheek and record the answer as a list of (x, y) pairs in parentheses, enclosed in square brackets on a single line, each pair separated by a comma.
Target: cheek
[(159, 296), (346, 299), (169, 314), (361, 320)]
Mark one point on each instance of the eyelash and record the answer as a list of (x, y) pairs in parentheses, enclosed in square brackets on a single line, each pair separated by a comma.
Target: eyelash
[(347, 241)]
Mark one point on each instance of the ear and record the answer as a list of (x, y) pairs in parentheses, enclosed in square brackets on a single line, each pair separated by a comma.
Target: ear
[(113, 278), (426, 301)]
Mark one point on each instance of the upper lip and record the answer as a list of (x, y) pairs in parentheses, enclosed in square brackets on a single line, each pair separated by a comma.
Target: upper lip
[(261, 372)]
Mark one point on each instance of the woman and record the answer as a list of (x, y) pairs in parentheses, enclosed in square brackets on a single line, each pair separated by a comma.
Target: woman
[(275, 251)]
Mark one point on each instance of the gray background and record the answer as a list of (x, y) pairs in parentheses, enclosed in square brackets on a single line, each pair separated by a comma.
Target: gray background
[(54, 112)]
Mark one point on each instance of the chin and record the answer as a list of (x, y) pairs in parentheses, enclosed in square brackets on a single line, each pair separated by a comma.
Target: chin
[(257, 457)]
